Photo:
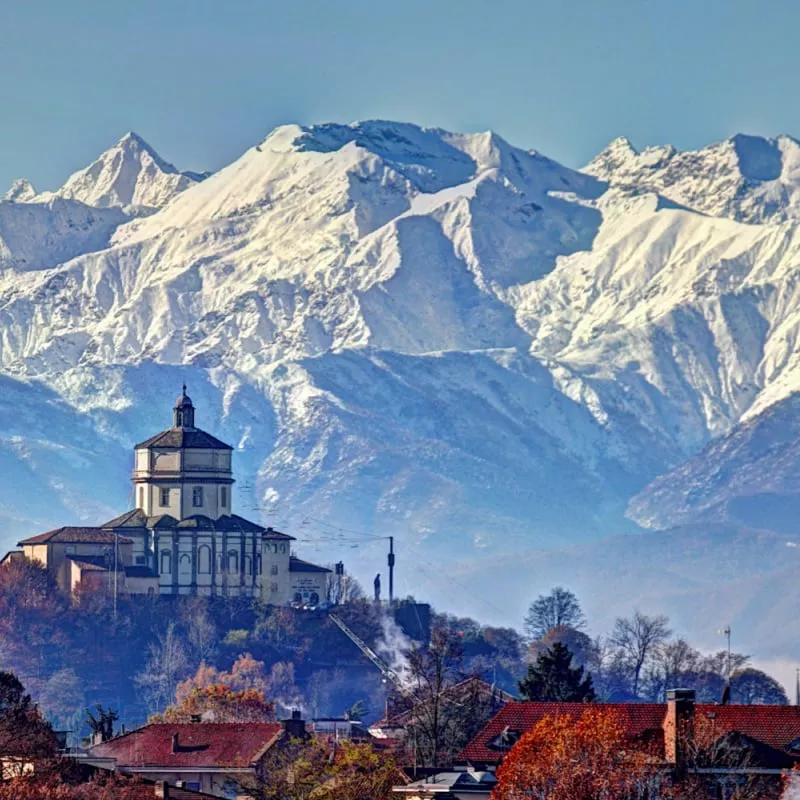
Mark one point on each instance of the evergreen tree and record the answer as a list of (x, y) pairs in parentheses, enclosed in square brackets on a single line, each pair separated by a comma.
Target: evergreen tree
[(553, 678)]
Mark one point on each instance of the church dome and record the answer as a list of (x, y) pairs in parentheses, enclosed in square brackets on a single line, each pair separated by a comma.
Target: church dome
[(183, 413), (184, 401)]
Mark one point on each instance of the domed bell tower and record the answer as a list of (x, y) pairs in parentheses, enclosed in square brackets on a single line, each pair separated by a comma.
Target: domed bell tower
[(184, 471), (183, 413)]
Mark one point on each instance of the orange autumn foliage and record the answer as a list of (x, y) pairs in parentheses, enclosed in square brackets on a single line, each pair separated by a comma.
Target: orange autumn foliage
[(577, 757), (219, 702)]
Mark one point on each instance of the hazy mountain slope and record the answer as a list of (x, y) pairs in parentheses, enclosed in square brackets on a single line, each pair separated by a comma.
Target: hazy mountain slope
[(749, 476), (705, 577), (746, 178)]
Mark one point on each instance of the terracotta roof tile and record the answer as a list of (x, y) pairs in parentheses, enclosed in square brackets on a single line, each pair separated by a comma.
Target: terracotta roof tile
[(775, 726), (201, 744)]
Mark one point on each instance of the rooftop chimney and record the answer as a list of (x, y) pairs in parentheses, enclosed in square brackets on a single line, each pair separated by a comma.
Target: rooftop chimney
[(295, 727), (678, 725)]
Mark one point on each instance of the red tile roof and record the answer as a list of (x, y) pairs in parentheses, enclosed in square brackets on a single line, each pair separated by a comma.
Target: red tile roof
[(200, 744), (775, 726), (76, 536)]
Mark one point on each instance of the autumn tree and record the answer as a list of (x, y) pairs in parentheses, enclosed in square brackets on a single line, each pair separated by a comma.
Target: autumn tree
[(553, 678), (300, 770), (548, 611), (577, 757), (637, 639), (70, 784), (239, 695), (218, 703)]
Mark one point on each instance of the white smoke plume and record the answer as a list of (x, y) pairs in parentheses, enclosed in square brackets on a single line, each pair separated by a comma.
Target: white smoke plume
[(392, 647)]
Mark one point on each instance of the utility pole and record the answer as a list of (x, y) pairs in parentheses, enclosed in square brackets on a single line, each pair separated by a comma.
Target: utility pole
[(116, 556), (391, 571), (727, 632)]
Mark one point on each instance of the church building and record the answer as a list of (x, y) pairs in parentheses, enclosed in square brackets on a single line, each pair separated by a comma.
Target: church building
[(182, 537)]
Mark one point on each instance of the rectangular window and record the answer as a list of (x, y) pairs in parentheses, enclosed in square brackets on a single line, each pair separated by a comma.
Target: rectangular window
[(140, 560), (141, 497), (273, 587), (166, 562), (197, 497), (273, 570), (223, 496), (164, 498)]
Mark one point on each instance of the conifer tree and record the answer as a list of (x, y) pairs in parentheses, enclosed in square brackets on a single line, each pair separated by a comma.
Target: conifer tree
[(553, 678)]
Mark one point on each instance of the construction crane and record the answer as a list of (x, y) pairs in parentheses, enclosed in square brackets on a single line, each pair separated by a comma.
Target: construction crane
[(388, 673)]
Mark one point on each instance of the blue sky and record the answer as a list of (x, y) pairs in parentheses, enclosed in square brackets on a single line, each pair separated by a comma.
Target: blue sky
[(202, 81)]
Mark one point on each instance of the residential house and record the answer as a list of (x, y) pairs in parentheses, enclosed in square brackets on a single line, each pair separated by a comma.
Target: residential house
[(217, 758), (723, 743)]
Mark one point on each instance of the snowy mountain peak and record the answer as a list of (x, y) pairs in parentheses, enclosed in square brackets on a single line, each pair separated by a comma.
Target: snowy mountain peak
[(747, 178), (133, 144), (130, 173), (21, 191)]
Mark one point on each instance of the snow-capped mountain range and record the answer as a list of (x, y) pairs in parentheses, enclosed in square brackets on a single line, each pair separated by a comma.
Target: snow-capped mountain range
[(413, 332)]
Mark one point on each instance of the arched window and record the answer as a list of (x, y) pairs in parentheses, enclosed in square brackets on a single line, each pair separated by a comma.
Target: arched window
[(258, 564), (233, 561), (247, 563), (166, 562), (185, 564), (204, 559), (298, 598)]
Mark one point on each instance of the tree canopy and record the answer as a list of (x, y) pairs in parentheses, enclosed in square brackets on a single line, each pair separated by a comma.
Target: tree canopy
[(548, 611), (554, 678), (564, 758)]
